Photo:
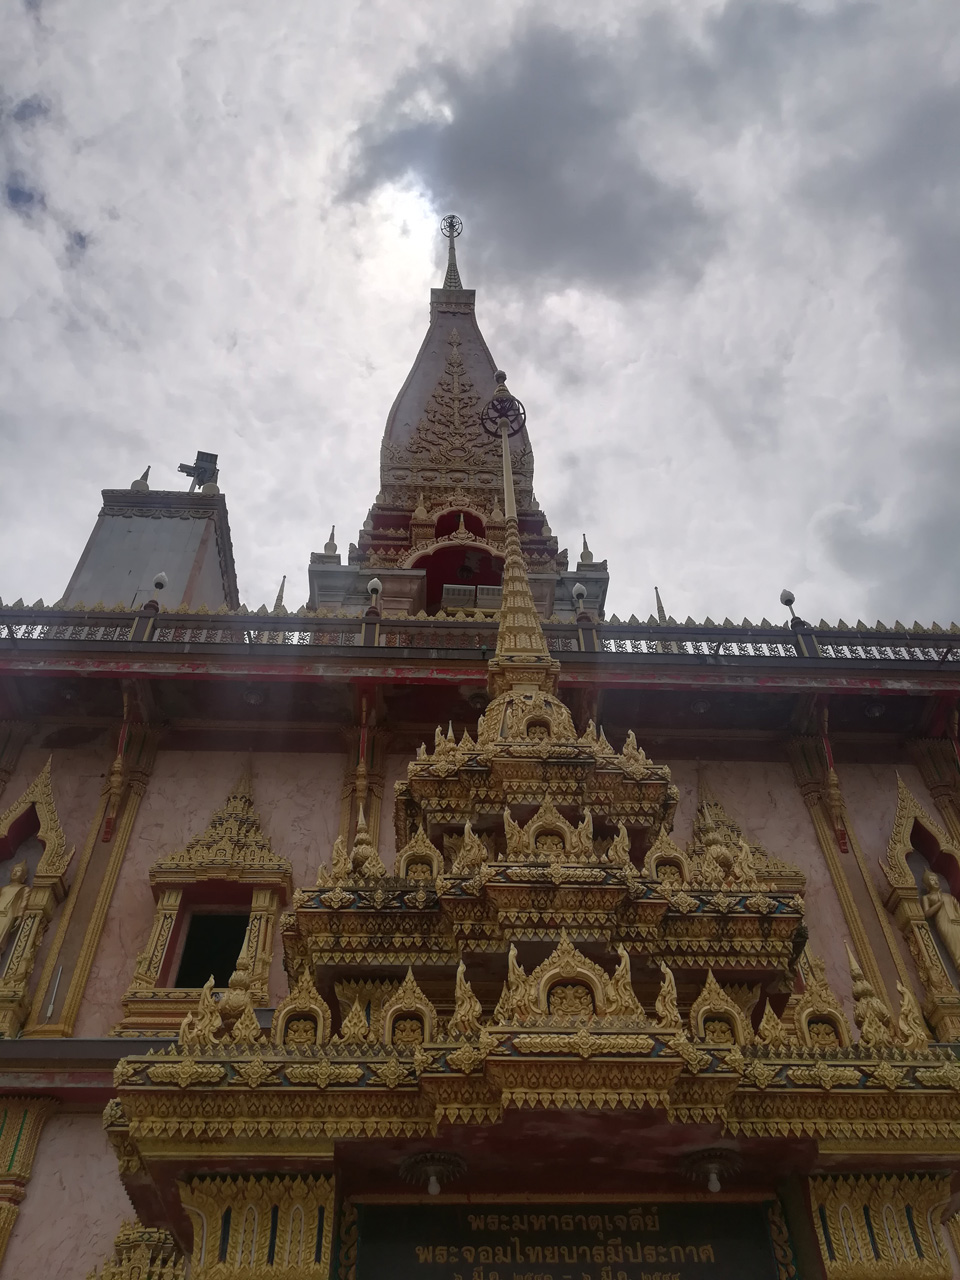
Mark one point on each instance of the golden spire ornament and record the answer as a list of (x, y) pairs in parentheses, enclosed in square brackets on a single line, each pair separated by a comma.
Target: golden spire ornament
[(522, 660)]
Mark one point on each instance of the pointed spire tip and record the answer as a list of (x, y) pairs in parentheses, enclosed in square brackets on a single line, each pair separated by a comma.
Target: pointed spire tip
[(450, 227)]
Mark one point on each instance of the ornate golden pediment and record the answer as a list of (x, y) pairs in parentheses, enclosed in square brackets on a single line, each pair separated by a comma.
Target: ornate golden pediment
[(39, 797), (233, 847), (910, 810), (567, 985)]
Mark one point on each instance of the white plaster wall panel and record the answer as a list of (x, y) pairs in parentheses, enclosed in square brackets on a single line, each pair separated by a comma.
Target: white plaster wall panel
[(298, 798), (126, 553), (208, 586)]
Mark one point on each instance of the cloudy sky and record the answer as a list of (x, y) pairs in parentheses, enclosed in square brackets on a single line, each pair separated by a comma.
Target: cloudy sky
[(716, 247)]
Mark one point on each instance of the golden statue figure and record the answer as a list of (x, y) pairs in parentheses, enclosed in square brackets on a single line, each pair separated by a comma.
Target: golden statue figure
[(13, 901), (943, 909)]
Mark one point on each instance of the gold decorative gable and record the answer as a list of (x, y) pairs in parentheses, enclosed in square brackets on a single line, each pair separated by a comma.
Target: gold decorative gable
[(142, 1253), (39, 795), (567, 985), (536, 866), (448, 439), (233, 846), (31, 909), (910, 810)]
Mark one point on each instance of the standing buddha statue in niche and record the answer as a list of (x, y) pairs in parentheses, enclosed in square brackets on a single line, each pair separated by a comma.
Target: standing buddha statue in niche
[(13, 901), (943, 909)]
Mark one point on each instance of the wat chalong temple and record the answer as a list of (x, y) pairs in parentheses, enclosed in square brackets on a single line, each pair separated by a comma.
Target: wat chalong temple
[(443, 926)]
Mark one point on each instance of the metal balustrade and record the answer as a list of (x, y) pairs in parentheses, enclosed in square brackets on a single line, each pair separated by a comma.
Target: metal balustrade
[(61, 627)]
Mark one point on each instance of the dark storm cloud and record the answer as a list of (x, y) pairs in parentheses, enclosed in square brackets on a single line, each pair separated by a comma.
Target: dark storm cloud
[(22, 196), (909, 178), (912, 555), (906, 180), (20, 192), (541, 144), (32, 108), (554, 143)]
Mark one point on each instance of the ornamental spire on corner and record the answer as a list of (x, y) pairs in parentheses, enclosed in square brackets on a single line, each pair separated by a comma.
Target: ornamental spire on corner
[(451, 226), (522, 656)]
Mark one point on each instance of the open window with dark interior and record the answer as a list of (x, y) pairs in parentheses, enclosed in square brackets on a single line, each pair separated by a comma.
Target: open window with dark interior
[(212, 944)]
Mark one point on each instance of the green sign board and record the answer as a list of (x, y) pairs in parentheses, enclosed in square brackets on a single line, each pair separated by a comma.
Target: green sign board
[(637, 1241)]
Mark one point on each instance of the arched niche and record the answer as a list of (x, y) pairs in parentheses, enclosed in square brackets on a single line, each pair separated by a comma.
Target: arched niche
[(22, 844), (458, 559), (419, 859), (716, 1018), (400, 1014), (817, 1014), (919, 845), (667, 862), (556, 985), (33, 853), (449, 522), (915, 832), (302, 1019), (33, 816), (407, 1032), (926, 857)]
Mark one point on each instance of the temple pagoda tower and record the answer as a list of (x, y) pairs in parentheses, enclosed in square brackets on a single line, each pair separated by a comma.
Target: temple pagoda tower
[(434, 536)]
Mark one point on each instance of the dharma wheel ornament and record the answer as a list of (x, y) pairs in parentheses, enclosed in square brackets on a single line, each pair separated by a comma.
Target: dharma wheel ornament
[(432, 1169), (503, 408)]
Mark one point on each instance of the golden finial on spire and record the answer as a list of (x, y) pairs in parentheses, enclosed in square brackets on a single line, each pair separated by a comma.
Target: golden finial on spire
[(451, 226), (661, 612), (522, 656)]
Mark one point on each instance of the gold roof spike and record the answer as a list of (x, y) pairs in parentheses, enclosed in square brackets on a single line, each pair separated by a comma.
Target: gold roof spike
[(451, 226), (522, 661)]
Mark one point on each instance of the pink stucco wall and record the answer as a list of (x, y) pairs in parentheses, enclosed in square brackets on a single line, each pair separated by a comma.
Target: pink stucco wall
[(762, 797), (74, 1204), (870, 791), (297, 797)]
